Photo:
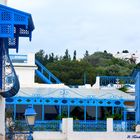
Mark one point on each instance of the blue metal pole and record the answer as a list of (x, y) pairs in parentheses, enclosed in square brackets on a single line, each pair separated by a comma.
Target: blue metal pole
[(113, 110), (85, 112), (15, 112), (96, 113), (60, 110), (43, 112), (1, 59), (68, 111), (125, 117), (137, 99)]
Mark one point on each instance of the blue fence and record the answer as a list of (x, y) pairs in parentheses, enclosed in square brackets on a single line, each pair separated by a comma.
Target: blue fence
[(118, 126), (79, 125), (128, 126), (114, 80), (89, 125), (49, 125), (52, 125)]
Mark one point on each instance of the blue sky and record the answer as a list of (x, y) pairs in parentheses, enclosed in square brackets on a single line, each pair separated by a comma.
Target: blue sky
[(93, 25)]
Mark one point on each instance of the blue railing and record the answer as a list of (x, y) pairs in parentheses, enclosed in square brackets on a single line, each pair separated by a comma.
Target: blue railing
[(52, 125), (49, 125), (110, 80), (18, 58), (45, 74), (127, 126), (78, 125), (89, 125)]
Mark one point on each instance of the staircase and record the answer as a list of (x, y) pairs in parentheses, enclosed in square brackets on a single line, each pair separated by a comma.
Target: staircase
[(45, 75)]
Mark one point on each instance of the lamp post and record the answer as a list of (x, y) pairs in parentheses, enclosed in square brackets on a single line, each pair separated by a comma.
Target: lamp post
[(30, 115)]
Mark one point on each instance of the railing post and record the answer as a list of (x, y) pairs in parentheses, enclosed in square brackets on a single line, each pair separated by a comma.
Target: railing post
[(64, 125), (137, 128), (67, 125), (109, 124)]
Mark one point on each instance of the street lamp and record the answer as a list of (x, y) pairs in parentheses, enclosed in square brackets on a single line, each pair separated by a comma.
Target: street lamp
[(30, 115)]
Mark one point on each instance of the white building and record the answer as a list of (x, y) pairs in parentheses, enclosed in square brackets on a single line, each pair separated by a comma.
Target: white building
[(128, 55)]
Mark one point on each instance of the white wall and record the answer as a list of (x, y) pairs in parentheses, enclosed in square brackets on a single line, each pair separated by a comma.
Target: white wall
[(25, 74), (2, 117), (26, 71)]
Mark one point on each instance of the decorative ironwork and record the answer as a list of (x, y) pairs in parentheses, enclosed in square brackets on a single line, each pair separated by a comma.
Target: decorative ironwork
[(128, 126), (89, 125), (66, 101)]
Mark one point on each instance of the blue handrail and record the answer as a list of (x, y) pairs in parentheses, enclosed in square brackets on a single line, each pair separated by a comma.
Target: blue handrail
[(50, 77)]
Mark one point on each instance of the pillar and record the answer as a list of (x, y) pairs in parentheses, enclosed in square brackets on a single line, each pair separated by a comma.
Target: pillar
[(96, 113), (85, 113), (2, 117), (109, 124)]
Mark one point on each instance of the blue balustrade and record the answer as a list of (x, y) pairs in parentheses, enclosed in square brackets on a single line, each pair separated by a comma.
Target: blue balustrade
[(49, 125), (127, 126), (114, 80), (46, 76), (89, 125), (18, 58)]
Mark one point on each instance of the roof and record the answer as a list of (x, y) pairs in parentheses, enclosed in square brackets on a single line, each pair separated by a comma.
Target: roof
[(14, 24), (74, 93)]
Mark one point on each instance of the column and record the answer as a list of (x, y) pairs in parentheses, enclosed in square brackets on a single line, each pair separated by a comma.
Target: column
[(42, 112), (2, 117), (109, 124), (60, 112), (85, 113), (96, 113), (15, 112), (68, 111)]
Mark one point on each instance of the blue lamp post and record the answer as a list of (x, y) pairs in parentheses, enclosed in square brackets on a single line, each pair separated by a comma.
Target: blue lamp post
[(30, 115)]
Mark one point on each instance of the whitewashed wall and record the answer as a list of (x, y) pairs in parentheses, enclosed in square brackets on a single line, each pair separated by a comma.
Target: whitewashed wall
[(26, 71), (2, 117)]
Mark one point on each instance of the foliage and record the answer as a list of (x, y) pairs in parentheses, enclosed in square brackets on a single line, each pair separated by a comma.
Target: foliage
[(124, 89), (72, 72)]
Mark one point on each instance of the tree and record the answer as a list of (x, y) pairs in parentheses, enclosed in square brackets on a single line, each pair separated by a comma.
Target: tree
[(125, 51), (66, 56), (40, 56), (74, 55), (51, 57), (86, 54)]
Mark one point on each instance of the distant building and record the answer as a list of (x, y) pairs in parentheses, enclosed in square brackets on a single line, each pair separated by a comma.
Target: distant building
[(130, 56)]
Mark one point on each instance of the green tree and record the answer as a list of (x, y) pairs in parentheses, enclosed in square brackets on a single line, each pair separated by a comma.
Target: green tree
[(40, 56), (66, 56), (74, 55)]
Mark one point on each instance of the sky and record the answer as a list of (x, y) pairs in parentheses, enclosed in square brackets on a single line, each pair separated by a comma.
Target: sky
[(93, 25)]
